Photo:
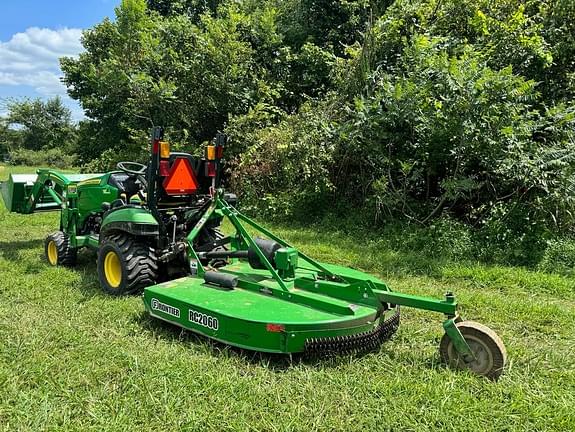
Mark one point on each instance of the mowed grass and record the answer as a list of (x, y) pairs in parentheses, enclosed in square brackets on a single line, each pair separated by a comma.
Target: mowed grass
[(72, 358)]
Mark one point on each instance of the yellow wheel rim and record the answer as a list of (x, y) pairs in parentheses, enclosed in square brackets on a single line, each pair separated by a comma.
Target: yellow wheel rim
[(52, 253), (113, 269)]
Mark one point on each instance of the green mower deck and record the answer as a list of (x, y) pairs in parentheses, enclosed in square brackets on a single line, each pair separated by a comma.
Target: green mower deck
[(251, 318), (267, 296)]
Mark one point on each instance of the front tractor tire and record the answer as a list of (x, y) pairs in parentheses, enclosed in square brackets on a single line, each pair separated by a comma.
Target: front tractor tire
[(126, 265), (58, 250)]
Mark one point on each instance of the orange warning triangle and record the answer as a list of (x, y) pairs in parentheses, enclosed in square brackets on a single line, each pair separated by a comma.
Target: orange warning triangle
[(181, 180)]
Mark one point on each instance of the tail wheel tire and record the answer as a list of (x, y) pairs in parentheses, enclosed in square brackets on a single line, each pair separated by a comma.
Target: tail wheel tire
[(486, 345), (126, 265), (58, 250)]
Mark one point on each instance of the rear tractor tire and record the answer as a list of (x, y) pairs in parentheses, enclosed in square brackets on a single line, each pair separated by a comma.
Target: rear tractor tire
[(487, 346), (58, 251), (126, 265)]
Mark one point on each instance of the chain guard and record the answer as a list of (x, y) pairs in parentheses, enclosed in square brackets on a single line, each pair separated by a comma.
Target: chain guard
[(361, 342)]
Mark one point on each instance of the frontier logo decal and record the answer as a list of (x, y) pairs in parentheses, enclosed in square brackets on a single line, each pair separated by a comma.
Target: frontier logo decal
[(166, 308), (203, 320)]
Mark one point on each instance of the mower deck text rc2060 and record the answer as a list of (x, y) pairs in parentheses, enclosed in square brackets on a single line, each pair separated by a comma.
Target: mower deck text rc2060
[(156, 229)]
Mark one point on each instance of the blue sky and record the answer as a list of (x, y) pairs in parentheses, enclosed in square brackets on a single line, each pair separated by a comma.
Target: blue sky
[(34, 34)]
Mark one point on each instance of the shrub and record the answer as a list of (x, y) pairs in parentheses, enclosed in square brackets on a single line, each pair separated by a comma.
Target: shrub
[(285, 171), (559, 256), (55, 157)]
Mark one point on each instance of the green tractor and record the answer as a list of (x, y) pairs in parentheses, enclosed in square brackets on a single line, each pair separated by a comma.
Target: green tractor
[(135, 218), (156, 229)]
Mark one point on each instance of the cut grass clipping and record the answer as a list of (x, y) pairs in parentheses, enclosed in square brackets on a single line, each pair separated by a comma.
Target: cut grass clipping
[(73, 358)]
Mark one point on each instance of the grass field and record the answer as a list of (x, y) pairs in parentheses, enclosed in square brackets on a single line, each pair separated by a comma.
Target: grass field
[(72, 358)]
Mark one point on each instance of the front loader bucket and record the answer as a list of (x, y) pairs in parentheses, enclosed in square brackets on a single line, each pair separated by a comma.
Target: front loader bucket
[(17, 189), (30, 193)]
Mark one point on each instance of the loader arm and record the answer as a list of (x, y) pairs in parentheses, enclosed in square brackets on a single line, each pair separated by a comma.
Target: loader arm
[(47, 182), (47, 190)]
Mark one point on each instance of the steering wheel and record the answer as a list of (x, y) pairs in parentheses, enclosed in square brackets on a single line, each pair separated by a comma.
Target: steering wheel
[(133, 168)]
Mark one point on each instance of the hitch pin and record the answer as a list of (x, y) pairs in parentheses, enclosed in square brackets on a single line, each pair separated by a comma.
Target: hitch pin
[(174, 219)]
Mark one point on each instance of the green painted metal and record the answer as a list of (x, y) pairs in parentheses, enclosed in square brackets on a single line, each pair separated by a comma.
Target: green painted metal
[(278, 309), (243, 314), (91, 242), (281, 241), (43, 191), (458, 340), (227, 211), (286, 261), (77, 196), (418, 302), (135, 215), (14, 191), (196, 266), (57, 198)]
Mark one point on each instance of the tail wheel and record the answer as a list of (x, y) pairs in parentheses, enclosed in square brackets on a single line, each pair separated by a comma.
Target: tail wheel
[(58, 250), (486, 345), (126, 265)]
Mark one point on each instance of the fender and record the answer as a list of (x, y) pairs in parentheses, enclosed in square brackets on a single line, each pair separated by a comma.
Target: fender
[(132, 220)]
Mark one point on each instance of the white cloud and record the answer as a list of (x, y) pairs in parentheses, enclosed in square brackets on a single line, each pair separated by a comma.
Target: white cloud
[(44, 82), (31, 58)]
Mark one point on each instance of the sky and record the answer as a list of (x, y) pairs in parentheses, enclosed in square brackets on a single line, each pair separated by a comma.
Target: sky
[(34, 34)]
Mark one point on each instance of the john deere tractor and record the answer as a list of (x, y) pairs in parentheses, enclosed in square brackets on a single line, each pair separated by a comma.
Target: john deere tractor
[(156, 229), (136, 217)]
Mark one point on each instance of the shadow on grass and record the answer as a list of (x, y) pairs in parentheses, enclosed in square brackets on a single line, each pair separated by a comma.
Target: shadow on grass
[(86, 265), (88, 285), (12, 251)]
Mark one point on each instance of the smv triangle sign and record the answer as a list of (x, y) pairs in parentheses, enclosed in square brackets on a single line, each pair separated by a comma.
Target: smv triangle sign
[(181, 180)]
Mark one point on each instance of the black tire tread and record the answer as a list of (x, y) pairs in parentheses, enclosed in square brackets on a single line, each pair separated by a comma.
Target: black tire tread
[(139, 261), (67, 255)]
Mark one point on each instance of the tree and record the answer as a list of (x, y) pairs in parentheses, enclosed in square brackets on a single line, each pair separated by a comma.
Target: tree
[(4, 137), (447, 107), (192, 8), (415, 107), (143, 70), (39, 125)]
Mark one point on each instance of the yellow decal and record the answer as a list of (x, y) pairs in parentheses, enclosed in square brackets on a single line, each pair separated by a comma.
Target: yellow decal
[(89, 182)]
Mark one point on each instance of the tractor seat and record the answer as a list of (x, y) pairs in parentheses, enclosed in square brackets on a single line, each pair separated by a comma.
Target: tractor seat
[(125, 183)]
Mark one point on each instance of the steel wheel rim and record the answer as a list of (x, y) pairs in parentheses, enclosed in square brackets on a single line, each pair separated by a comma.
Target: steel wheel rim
[(483, 356), (52, 253), (113, 269)]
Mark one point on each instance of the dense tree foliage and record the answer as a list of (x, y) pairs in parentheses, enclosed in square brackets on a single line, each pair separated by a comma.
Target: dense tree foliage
[(410, 109), (446, 107), (192, 8), (37, 125), (37, 132), (189, 73), (5, 139)]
